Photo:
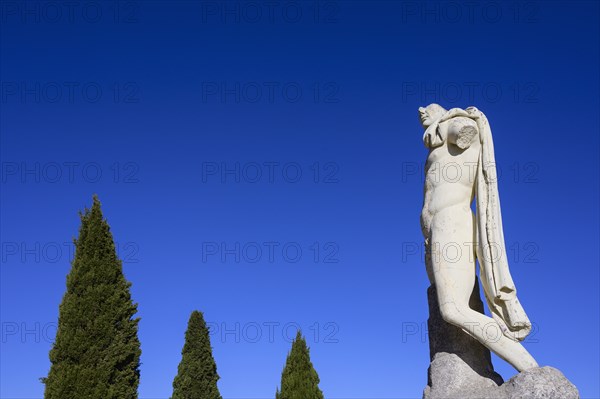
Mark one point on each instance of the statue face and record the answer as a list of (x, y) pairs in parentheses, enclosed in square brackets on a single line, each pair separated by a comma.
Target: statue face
[(430, 114), (426, 119)]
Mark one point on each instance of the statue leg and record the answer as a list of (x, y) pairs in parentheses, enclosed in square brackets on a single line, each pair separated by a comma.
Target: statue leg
[(453, 264)]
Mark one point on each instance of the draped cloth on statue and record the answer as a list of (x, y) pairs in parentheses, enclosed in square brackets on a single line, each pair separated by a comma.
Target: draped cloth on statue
[(498, 285)]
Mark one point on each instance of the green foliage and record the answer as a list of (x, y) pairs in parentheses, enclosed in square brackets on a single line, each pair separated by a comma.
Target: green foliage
[(197, 373), (299, 379), (96, 353)]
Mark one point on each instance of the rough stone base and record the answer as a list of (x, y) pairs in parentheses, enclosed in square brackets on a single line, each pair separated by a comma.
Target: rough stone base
[(540, 383), (451, 377), (536, 383)]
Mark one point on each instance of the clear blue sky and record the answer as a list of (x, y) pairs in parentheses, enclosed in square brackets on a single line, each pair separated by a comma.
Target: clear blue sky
[(153, 106)]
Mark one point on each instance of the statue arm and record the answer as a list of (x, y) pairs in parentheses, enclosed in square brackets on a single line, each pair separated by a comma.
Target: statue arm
[(462, 131)]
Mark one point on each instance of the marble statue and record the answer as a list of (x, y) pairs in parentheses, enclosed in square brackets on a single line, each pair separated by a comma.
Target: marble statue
[(460, 168)]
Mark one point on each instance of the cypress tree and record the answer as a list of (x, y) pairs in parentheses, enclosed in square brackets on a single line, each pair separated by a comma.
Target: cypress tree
[(299, 379), (197, 372), (96, 353)]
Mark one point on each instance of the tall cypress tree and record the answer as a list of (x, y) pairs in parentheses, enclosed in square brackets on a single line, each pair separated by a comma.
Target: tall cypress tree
[(197, 373), (96, 353), (299, 379)]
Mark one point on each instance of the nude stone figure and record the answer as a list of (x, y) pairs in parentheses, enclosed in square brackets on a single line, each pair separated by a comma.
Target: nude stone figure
[(460, 168)]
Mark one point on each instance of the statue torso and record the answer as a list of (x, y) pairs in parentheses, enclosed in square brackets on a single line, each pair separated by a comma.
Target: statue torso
[(450, 174)]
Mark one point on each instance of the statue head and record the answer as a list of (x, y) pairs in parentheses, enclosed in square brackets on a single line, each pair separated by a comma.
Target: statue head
[(430, 114)]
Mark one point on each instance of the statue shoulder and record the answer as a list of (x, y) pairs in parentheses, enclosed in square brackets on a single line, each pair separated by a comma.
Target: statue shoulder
[(461, 131)]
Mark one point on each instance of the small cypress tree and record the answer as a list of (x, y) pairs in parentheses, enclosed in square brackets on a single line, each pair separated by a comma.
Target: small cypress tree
[(299, 379), (96, 353), (197, 372)]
